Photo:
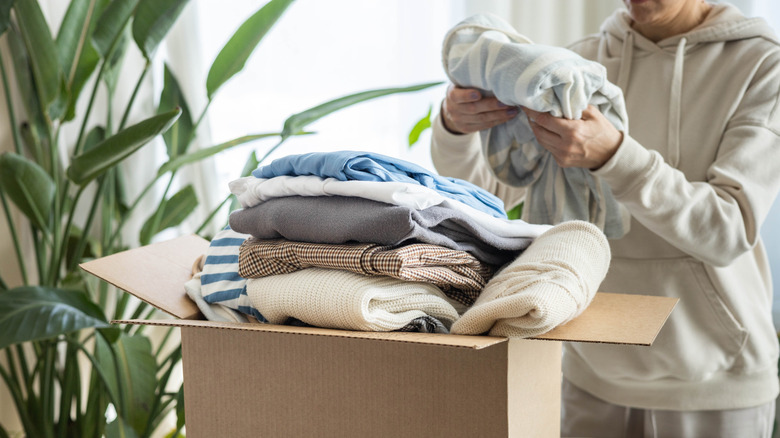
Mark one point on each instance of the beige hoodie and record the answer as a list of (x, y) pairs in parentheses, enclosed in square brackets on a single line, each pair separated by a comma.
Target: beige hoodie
[(698, 173)]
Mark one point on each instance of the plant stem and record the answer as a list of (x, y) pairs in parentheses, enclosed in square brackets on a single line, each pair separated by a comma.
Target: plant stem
[(67, 389), (61, 246), (212, 215), (85, 232), (133, 96), (15, 238), (123, 219), (39, 253), (9, 104), (47, 389), (19, 401)]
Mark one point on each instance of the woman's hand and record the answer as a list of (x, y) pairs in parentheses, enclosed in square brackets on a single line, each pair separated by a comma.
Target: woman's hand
[(588, 142), (464, 111)]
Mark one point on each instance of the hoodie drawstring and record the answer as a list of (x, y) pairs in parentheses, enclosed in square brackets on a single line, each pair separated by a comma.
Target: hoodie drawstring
[(626, 57), (675, 103)]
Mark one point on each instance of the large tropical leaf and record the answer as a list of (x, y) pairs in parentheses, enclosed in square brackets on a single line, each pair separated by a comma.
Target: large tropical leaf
[(44, 60), (93, 163), (177, 139), (78, 56), (201, 154), (174, 211), (152, 21), (111, 25), (31, 313), (28, 186), (297, 122), (5, 14), (130, 368), (114, 61), (234, 54)]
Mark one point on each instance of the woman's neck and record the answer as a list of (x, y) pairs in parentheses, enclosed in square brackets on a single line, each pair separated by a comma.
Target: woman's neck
[(692, 15)]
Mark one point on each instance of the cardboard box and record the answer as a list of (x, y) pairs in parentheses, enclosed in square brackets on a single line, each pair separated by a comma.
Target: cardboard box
[(266, 380)]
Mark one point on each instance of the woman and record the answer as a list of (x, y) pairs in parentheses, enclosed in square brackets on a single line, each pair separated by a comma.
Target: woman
[(698, 174)]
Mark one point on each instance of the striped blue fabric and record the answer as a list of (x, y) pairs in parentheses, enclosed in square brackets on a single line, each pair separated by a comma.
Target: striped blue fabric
[(219, 280)]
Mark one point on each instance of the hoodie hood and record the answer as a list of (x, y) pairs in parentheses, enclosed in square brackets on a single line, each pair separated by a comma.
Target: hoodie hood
[(723, 23)]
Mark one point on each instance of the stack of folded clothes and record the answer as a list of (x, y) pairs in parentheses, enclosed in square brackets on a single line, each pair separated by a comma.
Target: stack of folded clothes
[(361, 241)]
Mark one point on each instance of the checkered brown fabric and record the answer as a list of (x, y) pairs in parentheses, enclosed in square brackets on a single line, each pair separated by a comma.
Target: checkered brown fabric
[(458, 274)]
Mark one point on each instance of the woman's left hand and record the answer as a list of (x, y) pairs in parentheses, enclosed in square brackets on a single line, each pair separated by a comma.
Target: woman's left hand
[(588, 142)]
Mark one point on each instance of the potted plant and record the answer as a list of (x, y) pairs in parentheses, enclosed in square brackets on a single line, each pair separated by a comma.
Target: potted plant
[(69, 371)]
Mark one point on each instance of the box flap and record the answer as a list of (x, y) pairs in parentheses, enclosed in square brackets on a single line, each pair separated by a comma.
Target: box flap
[(616, 319), (155, 273), (475, 342)]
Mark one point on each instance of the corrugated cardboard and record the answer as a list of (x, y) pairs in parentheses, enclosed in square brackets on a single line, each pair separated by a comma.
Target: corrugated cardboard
[(283, 381)]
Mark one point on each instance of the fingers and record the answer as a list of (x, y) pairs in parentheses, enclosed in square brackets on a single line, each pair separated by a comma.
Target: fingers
[(465, 110)]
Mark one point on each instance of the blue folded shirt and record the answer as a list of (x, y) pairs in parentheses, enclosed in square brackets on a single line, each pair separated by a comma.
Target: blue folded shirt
[(365, 166)]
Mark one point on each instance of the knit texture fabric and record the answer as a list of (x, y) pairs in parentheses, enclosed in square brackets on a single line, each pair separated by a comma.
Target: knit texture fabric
[(485, 52), (550, 283), (344, 300)]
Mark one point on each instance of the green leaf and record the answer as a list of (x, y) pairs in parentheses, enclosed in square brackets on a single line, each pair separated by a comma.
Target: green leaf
[(234, 54), (130, 368), (32, 313), (49, 80), (515, 212), (93, 163), (77, 55), (5, 14), (177, 139), (74, 32), (114, 62), (95, 136), (111, 25), (297, 122), (174, 211), (24, 82), (119, 428), (28, 186), (152, 21), (180, 408), (420, 127), (201, 154)]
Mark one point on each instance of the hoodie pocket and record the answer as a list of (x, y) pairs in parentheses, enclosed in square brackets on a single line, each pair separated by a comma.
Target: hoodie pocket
[(701, 337)]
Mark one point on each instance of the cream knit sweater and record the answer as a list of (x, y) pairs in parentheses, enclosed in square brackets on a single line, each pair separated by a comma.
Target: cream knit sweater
[(550, 283), (338, 299)]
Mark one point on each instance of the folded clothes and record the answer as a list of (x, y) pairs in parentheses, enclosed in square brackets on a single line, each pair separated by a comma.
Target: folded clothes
[(341, 219), (220, 282), (549, 284), (251, 191), (458, 274), (338, 299), (485, 52), (365, 166)]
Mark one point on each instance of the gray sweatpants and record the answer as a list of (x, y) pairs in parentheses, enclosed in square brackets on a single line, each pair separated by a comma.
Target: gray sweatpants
[(584, 415)]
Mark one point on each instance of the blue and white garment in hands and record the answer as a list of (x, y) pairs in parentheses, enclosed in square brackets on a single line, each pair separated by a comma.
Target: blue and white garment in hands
[(219, 280), (365, 166), (485, 52)]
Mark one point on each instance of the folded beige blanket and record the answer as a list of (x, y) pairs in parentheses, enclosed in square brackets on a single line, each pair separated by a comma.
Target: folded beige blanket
[(549, 284)]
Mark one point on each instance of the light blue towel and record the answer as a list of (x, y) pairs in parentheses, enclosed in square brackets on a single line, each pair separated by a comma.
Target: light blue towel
[(219, 280), (485, 52), (365, 166)]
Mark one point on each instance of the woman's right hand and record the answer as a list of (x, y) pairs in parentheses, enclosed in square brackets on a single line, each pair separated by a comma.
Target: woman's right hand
[(464, 111)]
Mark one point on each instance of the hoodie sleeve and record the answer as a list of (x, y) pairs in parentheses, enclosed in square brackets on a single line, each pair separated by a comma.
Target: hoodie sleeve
[(718, 219), (460, 156)]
